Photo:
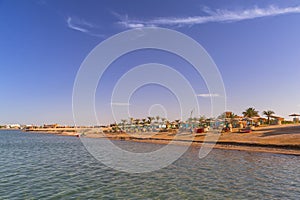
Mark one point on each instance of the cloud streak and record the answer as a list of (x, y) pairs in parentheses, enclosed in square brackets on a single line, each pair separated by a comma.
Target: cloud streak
[(207, 95), (82, 26), (77, 27), (218, 15), (119, 104)]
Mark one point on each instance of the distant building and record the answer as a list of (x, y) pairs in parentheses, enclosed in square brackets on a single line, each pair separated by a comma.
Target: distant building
[(50, 125), (228, 114), (13, 126), (276, 120)]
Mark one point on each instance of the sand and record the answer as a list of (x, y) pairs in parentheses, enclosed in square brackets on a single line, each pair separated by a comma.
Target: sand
[(282, 139)]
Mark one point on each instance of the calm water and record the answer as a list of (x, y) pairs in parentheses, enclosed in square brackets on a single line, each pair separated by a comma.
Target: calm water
[(35, 166)]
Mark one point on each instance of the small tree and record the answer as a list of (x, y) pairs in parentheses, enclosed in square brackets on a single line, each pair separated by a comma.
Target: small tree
[(268, 113)]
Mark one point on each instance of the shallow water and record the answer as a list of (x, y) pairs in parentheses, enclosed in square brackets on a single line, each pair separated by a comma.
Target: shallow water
[(35, 166)]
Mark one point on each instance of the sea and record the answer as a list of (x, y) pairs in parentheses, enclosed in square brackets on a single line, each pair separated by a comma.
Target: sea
[(46, 166)]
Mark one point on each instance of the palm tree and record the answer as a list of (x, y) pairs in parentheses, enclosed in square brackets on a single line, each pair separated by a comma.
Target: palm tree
[(123, 123), (131, 119), (232, 116), (268, 113), (202, 118), (222, 116), (250, 112), (152, 119), (157, 118), (144, 121), (177, 121), (190, 120), (149, 120), (137, 121)]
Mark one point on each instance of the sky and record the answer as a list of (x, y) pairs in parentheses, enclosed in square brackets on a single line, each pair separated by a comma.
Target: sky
[(254, 44)]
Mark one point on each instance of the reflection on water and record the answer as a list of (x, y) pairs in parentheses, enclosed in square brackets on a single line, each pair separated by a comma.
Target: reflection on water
[(48, 166)]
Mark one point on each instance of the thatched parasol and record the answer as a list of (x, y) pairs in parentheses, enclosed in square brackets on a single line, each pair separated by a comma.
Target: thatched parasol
[(294, 115), (296, 119)]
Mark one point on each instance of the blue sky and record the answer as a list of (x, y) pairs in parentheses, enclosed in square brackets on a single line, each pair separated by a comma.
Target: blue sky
[(255, 44)]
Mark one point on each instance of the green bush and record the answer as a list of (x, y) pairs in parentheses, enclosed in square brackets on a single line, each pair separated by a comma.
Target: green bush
[(287, 122)]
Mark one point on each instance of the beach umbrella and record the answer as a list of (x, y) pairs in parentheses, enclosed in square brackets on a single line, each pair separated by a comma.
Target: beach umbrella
[(294, 115)]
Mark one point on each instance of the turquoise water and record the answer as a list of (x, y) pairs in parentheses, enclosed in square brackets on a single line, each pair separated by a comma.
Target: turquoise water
[(40, 166)]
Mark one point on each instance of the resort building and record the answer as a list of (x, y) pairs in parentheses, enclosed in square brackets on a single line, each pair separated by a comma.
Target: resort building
[(276, 120), (50, 125)]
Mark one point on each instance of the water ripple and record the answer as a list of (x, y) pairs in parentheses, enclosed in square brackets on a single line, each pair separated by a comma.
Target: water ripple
[(40, 166)]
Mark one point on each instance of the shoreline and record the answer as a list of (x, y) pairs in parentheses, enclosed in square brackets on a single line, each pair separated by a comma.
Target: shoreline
[(235, 147), (284, 140)]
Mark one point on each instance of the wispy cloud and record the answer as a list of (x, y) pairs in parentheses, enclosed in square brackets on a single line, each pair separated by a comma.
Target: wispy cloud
[(76, 26), (131, 25), (125, 22), (119, 104), (207, 95), (219, 15), (82, 26)]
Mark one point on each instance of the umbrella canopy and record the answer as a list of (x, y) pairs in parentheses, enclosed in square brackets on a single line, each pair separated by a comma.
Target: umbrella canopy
[(294, 115)]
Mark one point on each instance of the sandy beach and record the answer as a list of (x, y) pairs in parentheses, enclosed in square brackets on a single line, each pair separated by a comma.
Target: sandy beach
[(282, 139)]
